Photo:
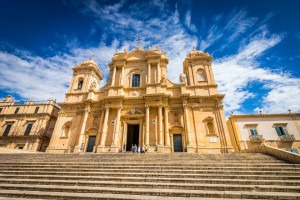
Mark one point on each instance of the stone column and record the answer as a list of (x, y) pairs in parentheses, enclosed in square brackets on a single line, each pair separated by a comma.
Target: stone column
[(124, 143), (147, 125), (149, 73), (158, 72), (115, 147), (104, 132), (113, 76), (167, 135), (188, 129), (122, 75), (160, 138), (99, 129), (83, 125), (160, 146)]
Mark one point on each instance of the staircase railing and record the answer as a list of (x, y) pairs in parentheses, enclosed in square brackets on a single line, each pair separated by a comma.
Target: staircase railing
[(278, 153)]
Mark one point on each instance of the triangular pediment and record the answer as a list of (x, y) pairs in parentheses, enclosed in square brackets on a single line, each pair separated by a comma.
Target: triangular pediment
[(137, 54)]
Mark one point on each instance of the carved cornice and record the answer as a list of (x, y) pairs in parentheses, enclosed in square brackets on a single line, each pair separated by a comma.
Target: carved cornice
[(203, 86), (20, 115), (265, 115)]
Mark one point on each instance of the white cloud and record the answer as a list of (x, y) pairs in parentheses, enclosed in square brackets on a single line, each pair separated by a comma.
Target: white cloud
[(43, 78), (166, 30), (188, 23), (233, 73), (236, 72), (238, 24)]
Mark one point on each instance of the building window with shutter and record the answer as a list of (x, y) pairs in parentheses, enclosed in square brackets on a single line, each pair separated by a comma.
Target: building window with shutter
[(282, 132), (1, 110), (253, 133), (28, 129)]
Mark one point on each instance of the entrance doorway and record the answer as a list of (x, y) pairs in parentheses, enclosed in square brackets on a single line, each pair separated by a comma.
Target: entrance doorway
[(91, 144), (132, 136), (177, 141)]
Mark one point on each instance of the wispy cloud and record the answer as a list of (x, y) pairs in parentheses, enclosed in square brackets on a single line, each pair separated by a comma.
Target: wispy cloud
[(165, 30), (188, 23), (159, 24), (234, 73), (42, 78)]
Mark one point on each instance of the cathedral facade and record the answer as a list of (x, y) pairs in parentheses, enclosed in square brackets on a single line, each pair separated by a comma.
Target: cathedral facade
[(140, 105)]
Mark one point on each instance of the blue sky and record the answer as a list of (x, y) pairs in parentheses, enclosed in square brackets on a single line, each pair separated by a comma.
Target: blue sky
[(255, 45)]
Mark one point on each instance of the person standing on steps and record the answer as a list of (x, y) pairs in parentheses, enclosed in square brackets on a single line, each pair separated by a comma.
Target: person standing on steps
[(143, 149), (81, 148)]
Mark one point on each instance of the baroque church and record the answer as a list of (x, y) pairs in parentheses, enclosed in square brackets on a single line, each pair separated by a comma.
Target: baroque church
[(140, 105)]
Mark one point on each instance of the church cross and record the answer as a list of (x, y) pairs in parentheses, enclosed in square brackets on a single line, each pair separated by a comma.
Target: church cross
[(138, 41)]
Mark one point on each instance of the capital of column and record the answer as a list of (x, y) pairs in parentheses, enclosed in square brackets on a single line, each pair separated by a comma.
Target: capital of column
[(166, 107)]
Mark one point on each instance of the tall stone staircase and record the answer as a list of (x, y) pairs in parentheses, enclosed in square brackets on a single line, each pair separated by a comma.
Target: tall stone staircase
[(147, 176)]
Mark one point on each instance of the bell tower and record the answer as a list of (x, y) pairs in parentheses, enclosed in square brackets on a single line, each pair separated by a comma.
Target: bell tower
[(197, 67), (86, 76)]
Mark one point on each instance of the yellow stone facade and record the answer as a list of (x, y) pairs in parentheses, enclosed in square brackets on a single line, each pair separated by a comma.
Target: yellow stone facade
[(281, 131), (140, 105), (28, 126)]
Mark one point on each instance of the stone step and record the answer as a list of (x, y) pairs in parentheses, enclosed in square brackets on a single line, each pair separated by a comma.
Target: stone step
[(154, 179), (83, 196), (155, 192), (143, 167), (166, 175), (253, 161), (156, 185), (155, 170), (15, 198), (156, 164)]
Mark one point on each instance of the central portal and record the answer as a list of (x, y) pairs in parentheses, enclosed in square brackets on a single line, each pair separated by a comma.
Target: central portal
[(132, 136)]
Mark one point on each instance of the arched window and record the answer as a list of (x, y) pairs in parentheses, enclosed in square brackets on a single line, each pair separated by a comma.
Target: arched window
[(80, 84), (201, 75), (66, 129), (135, 80), (209, 126)]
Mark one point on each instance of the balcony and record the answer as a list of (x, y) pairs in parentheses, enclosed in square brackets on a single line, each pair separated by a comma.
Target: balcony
[(287, 138), (256, 138)]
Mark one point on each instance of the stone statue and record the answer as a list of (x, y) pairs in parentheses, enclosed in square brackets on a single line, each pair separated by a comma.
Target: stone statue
[(163, 79), (182, 79), (93, 85)]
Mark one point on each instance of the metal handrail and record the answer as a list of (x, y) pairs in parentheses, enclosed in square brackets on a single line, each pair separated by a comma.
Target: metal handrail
[(287, 137), (256, 137)]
